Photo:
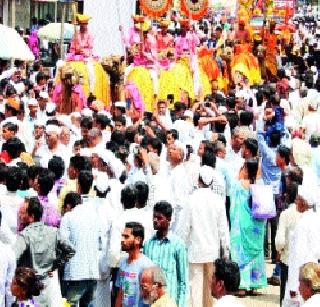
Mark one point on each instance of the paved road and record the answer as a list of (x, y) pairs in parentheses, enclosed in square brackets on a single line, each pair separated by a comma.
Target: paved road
[(270, 297)]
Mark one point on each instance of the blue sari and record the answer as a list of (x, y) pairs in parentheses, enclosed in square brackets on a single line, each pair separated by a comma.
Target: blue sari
[(246, 240)]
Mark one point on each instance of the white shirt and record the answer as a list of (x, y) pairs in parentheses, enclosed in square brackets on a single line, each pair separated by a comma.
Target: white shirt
[(7, 269), (204, 226), (304, 247), (80, 227), (287, 223), (46, 154), (228, 301), (105, 216), (9, 205), (313, 301), (311, 124)]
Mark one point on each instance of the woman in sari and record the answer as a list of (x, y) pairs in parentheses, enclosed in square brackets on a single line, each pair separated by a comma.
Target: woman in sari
[(247, 233)]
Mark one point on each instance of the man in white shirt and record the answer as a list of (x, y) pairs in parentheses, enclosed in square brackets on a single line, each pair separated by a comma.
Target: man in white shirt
[(287, 223), (81, 227), (311, 122), (305, 244), (53, 147), (225, 282), (204, 228)]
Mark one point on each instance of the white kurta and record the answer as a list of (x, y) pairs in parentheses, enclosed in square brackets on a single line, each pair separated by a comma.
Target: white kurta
[(203, 226), (304, 246)]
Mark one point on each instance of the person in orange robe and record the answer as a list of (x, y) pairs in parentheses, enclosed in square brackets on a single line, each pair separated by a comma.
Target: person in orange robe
[(270, 43)]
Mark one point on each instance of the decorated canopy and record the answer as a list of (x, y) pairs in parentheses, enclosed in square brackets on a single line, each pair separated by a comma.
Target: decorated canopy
[(155, 8), (194, 9)]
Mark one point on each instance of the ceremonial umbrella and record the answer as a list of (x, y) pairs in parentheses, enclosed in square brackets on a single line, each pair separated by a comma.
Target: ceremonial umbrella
[(13, 46), (52, 31)]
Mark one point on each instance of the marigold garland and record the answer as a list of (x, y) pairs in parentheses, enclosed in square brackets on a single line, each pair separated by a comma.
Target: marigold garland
[(194, 9), (155, 8)]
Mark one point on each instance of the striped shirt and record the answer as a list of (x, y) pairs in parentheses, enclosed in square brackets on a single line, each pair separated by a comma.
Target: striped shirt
[(170, 254)]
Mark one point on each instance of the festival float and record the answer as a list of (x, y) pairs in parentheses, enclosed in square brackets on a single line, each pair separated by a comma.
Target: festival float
[(85, 74)]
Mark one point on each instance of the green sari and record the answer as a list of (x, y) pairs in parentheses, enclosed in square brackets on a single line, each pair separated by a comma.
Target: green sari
[(246, 240)]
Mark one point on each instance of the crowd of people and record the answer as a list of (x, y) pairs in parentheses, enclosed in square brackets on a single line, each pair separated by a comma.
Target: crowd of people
[(101, 207)]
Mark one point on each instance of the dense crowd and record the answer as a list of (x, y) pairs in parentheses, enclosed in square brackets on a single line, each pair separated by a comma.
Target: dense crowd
[(178, 207)]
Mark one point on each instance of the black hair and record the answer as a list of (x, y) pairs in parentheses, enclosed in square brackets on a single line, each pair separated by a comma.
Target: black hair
[(292, 191), (80, 163), (252, 166), (245, 118), (14, 147), (274, 138), (56, 165), (27, 279), (137, 230), (157, 145), (222, 138), (11, 127), (73, 199), (128, 197), (34, 171), (86, 123), (103, 121), (121, 119), (41, 76), (3, 172), (208, 145), (252, 146), (228, 272), (13, 179), (142, 193), (208, 158), (174, 133), (284, 152), (35, 209), (259, 98), (53, 122), (164, 208), (85, 181), (24, 176), (45, 181), (118, 137), (231, 102), (296, 174)]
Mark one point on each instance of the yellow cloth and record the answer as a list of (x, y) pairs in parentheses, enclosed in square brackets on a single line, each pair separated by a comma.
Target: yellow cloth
[(164, 301), (101, 87), (246, 63), (141, 77), (205, 83), (174, 80), (70, 186)]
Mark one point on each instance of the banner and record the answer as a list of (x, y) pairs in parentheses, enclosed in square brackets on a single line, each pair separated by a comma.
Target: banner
[(155, 8), (194, 9), (105, 23)]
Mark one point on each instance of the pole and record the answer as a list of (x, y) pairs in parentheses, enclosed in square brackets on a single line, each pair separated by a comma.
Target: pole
[(13, 14), (63, 17), (55, 11)]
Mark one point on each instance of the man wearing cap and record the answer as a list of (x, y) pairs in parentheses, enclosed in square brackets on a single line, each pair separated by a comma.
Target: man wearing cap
[(82, 42), (53, 147), (311, 121), (43, 100), (204, 229), (305, 244)]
